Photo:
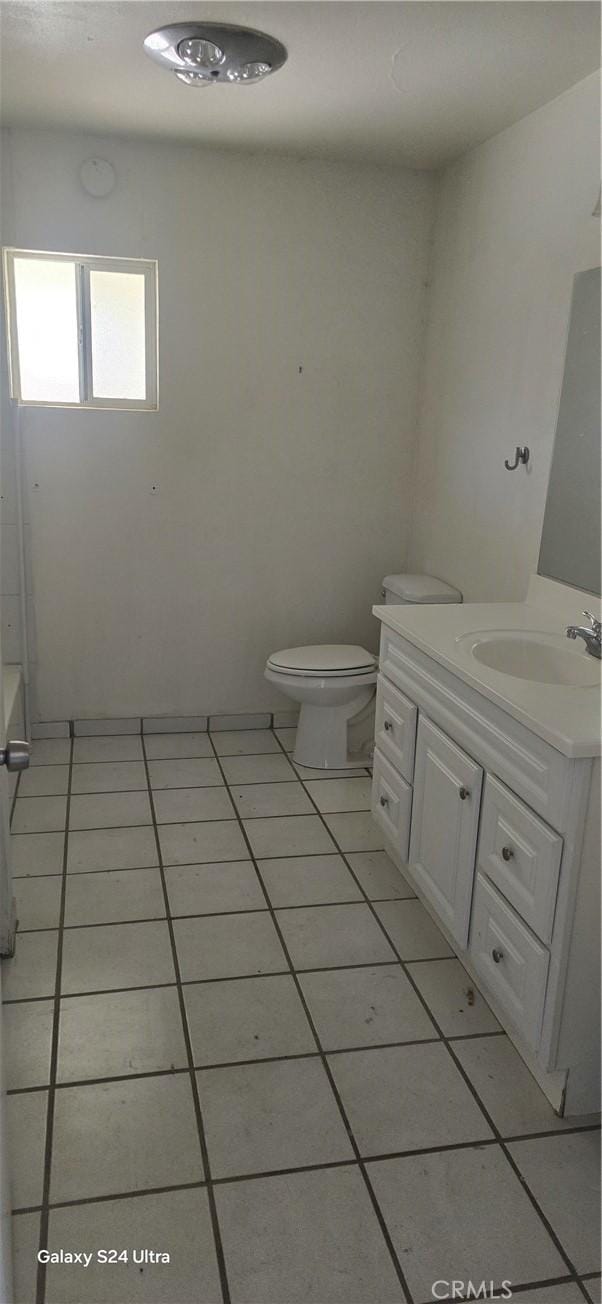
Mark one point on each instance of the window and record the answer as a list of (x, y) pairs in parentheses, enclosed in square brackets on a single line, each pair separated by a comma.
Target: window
[(82, 331)]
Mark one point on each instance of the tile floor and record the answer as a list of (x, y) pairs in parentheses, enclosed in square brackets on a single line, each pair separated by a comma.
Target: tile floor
[(235, 1036)]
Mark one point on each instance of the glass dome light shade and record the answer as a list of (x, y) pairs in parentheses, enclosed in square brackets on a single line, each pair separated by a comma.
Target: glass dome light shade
[(201, 54), (249, 72), (194, 78)]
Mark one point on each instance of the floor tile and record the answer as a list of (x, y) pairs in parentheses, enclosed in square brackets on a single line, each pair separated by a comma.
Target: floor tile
[(509, 1092), (445, 986), (109, 810), (101, 1137), (365, 1007), (228, 946), (308, 880), (288, 835), (114, 748), (269, 768), (181, 805), (39, 814), (50, 751), (307, 772), (406, 1098), (463, 1214), (244, 720), (355, 832), (37, 853), (38, 901), (247, 1018), (27, 1030), (287, 737), (44, 781), (165, 746), (194, 773), (379, 877), (32, 970), (253, 799), (26, 1240), (412, 930), (563, 1173), (123, 848), (50, 729), (210, 889), (341, 794), (266, 1116), (120, 1033), (109, 776), (285, 719), (112, 897), (244, 742), (593, 1287), (154, 724), (116, 956), (305, 1238), (26, 1131), (177, 1221), (99, 727), (190, 844), (330, 936)]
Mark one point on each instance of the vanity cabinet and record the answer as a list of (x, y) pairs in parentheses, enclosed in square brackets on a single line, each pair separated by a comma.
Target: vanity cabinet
[(497, 832)]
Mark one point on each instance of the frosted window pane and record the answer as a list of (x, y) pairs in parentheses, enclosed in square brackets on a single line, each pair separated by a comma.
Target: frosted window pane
[(45, 293), (118, 339)]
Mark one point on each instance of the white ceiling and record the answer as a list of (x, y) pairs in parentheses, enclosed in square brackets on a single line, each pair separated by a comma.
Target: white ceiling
[(408, 83)]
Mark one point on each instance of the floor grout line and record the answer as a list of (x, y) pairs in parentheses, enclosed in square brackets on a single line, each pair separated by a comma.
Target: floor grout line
[(44, 1216), (326, 1066), (217, 1238)]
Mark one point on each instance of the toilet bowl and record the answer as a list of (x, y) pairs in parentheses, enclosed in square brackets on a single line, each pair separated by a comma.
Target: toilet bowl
[(335, 685)]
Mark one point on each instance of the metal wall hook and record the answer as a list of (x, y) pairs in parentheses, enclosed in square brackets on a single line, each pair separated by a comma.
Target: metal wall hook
[(521, 458)]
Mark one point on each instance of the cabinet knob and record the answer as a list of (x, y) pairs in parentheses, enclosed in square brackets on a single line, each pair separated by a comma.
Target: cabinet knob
[(464, 793), (507, 853), (388, 726), (497, 955), (384, 801)]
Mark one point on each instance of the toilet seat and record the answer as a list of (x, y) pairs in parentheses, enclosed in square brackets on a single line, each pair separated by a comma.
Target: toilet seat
[(321, 661)]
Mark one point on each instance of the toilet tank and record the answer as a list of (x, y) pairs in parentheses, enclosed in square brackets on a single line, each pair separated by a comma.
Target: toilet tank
[(407, 590)]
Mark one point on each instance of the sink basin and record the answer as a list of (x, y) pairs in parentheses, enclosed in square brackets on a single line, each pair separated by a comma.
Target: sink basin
[(539, 657)]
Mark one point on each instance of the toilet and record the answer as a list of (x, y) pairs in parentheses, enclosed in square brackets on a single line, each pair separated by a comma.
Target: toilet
[(335, 684)]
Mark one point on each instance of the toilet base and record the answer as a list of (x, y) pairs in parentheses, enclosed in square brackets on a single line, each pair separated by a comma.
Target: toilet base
[(335, 738)]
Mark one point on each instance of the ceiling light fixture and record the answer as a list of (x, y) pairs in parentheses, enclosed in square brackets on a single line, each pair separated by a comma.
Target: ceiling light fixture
[(202, 53)]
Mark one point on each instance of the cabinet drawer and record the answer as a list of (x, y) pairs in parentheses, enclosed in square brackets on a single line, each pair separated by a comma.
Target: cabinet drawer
[(521, 855), (391, 804), (396, 719), (511, 961)]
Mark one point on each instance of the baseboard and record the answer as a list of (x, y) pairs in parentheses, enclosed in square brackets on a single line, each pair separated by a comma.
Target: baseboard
[(163, 724)]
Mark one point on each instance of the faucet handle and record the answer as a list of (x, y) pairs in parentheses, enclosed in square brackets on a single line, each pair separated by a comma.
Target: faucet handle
[(595, 623)]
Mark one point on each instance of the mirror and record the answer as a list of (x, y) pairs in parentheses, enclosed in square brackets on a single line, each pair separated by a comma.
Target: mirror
[(570, 540)]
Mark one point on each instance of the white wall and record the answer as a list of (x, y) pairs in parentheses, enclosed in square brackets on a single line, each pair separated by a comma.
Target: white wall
[(283, 498), (513, 227)]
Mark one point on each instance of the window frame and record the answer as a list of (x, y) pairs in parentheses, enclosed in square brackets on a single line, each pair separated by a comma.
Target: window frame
[(84, 264)]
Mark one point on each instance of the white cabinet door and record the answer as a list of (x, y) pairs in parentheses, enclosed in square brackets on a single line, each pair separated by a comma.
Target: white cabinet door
[(445, 818)]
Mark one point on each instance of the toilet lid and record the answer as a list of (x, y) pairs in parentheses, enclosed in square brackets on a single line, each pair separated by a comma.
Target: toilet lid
[(324, 658)]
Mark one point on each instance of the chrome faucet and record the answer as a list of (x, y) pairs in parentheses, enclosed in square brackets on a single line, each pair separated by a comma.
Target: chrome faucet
[(591, 635)]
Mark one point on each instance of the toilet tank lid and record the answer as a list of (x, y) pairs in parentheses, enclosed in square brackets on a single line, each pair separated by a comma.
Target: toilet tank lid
[(421, 588)]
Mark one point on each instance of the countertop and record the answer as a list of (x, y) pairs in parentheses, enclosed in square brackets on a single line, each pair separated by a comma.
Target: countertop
[(567, 717)]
